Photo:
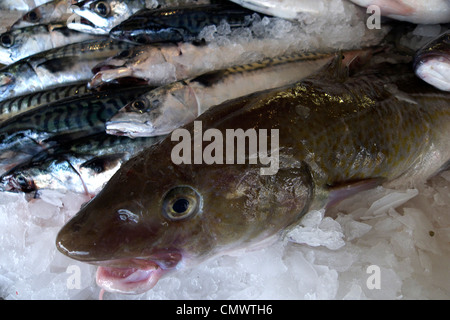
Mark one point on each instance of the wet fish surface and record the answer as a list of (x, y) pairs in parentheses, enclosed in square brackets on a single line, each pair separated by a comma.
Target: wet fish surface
[(17, 105), (56, 11), (166, 108), (82, 166), (18, 44), (380, 124), (58, 67), (178, 23), (415, 11), (28, 133), (432, 62)]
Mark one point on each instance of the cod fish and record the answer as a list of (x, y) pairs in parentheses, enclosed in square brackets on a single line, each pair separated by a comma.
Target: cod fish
[(415, 11), (182, 23), (432, 62), (28, 133), (81, 166), (54, 68), (56, 11), (166, 108), (21, 43), (336, 134)]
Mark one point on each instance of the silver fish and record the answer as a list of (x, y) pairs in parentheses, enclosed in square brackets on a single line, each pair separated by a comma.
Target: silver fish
[(432, 62), (21, 43), (166, 108), (56, 11), (57, 67), (100, 16), (21, 5), (82, 166)]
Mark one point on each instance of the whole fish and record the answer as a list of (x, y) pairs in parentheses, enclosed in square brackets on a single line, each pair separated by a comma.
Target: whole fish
[(28, 133), (21, 5), (175, 24), (56, 11), (432, 62), (21, 43), (100, 16), (415, 11), (82, 166), (166, 108), (20, 104), (336, 135), (165, 63), (58, 67)]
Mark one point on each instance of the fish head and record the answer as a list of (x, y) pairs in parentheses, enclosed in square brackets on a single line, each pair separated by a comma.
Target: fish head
[(155, 216), (8, 43), (101, 16), (156, 113), (17, 182), (141, 63), (432, 62)]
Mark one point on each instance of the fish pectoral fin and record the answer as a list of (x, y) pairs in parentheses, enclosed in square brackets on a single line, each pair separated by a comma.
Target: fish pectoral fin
[(58, 64), (342, 191), (103, 163)]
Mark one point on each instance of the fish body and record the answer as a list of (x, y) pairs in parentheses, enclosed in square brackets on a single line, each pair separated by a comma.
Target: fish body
[(432, 62), (28, 133), (166, 108), (12, 107), (380, 124), (83, 166), (21, 5), (56, 11), (415, 11), (178, 23), (18, 44), (58, 67)]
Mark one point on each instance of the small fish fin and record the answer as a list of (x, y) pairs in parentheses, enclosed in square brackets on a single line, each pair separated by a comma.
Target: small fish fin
[(103, 163), (336, 69), (343, 191), (209, 78), (58, 64)]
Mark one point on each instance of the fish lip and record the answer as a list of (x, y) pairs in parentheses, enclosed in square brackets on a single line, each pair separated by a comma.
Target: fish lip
[(132, 276)]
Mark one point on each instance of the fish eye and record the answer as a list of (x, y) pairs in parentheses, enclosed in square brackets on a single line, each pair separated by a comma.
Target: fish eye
[(32, 16), (102, 8), (139, 105), (7, 40), (181, 203)]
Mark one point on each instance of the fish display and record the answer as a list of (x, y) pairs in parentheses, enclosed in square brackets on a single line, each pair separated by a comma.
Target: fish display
[(178, 23), (166, 108), (329, 134), (58, 67), (415, 11), (20, 43), (432, 62), (83, 166), (56, 11), (28, 133)]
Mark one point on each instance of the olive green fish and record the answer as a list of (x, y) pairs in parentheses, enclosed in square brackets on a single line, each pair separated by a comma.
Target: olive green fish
[(328, 136)]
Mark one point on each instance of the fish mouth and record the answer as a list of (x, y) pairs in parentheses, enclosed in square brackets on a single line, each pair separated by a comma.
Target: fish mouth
[(132, 129), (85, 25), (107, 74), (134, 276)]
